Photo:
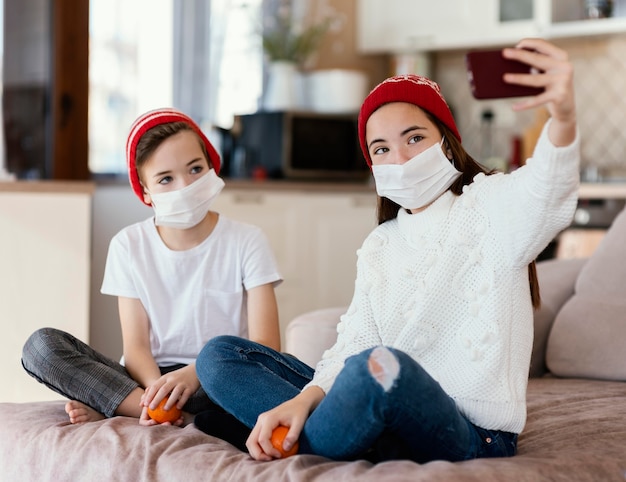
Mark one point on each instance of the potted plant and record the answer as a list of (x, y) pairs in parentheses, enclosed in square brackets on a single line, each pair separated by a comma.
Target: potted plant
[(288, 43)]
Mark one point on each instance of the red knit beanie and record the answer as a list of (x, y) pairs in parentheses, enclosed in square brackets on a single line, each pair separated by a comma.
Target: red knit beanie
[(413, 89), (151, 119)]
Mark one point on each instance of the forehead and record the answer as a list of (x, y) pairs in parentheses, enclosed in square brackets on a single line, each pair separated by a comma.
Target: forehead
[(176, 150), (396, 115)]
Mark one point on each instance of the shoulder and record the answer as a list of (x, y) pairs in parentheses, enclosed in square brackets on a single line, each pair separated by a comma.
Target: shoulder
[(483, 183), (491, 192), (231, 227), (135, 231), (380, 236), (241, 236)]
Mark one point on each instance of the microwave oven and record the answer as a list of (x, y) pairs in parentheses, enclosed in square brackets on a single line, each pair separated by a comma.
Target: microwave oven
[(300, 145)]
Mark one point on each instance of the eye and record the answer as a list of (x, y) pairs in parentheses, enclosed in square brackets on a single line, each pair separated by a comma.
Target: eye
[(415, 139), (165, 180), (380, 150), (197, 168)]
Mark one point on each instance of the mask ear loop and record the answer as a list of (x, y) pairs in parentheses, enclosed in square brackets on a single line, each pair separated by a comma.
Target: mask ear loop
[(448, 152)]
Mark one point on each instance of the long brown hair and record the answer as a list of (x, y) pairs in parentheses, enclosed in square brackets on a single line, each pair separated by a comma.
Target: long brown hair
[(387, 209)]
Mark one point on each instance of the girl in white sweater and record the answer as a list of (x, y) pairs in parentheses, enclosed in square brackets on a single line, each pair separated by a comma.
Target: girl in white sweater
[(432, 356)]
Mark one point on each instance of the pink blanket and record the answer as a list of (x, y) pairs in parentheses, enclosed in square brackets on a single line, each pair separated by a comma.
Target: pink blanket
[(576, 431)]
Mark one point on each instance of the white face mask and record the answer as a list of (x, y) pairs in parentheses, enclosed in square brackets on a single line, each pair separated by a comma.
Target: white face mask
[(186, 207), (417, 182)]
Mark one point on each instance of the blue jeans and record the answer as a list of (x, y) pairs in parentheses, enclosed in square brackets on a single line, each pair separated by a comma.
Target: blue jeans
[(413, 419)]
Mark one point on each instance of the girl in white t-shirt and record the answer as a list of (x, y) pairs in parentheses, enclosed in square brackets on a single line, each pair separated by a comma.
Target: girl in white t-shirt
[(181, 277)]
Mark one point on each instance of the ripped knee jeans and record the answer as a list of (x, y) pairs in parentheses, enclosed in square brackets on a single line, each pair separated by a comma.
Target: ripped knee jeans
[(384, 405)]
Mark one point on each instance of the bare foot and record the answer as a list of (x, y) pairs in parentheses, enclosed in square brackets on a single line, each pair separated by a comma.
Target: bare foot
[(81, 413), (187, 419)]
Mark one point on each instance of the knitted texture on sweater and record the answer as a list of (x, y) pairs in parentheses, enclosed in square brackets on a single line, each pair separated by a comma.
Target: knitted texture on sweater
[(449, 285)]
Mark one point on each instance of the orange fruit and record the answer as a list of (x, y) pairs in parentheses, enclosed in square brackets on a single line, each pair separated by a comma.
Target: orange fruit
[(277, 439), (161, 415)]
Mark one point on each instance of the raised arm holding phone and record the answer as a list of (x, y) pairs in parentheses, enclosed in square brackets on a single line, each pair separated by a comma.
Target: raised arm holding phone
[(432, 356)]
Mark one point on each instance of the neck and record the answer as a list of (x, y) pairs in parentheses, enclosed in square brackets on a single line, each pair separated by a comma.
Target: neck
[(419, 210), (183, 239)]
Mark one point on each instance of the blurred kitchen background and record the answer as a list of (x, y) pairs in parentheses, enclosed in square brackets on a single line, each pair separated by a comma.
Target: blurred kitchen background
[(276, 84), (207, 57)]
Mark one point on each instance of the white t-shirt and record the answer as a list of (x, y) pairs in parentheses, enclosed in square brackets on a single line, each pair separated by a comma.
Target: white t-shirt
[(193, 295)]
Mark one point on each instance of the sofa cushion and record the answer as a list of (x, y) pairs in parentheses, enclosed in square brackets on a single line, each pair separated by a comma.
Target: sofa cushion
[(309, 335), (557, 278), (588, 336)]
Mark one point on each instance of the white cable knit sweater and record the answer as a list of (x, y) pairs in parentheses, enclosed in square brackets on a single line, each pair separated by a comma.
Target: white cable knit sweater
[(449, 285)]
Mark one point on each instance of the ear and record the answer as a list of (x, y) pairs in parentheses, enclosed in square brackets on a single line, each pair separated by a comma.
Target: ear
[(146, 196)]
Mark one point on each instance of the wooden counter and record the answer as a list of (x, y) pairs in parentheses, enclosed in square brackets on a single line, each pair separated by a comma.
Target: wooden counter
[(301, 186), (602, 190), (44, 186)]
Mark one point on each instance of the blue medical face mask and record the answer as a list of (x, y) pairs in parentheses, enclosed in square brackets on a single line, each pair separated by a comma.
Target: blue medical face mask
[(417, 182), (186, 207)]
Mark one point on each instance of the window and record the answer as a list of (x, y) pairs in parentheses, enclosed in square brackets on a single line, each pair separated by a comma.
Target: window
[(201, 56)]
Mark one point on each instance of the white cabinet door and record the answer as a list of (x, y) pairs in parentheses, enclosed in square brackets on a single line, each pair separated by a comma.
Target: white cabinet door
[(314, 237), (45, 241), (340, 224), (416, 25), (565, 18), (392, 25), (399, 26), (279, 216)]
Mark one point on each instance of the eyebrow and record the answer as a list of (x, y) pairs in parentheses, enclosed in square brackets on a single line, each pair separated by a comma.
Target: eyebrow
[(402, 134), (163, 173), (159, 174)]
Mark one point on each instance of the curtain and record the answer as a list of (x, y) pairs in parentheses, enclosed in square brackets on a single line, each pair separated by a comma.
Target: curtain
[(197, 50)]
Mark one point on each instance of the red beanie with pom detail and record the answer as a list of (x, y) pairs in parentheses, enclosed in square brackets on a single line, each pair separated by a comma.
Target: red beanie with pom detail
[(412, 89), (151, 119)]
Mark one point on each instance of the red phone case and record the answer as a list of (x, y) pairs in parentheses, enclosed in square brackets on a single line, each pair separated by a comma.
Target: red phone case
[(485, 69)]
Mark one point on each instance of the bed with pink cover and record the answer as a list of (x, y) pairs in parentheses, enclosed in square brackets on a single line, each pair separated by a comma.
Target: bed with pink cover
[(575, 431)]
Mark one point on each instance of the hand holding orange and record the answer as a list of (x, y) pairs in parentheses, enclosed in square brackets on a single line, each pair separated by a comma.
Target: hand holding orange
[(277, 439), (161, 415)]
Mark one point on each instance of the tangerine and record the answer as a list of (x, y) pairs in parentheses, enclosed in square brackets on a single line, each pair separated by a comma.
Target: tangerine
[(277, 439), (161, 415)]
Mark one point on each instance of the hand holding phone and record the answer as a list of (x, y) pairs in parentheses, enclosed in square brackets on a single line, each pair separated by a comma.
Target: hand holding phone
[(485, 69)]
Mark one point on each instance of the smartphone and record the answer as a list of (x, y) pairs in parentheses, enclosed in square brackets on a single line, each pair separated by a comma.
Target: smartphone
[(485, 69)]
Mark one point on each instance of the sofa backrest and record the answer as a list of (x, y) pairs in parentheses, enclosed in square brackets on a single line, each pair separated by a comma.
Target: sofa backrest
[(588, 337), (557, 279), (309, 335)]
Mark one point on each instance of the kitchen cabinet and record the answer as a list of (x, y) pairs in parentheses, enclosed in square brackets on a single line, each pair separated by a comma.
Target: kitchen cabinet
[(566, 19), (399, 26), (45, 244), (409, 25), (314, 235), (598, 206)]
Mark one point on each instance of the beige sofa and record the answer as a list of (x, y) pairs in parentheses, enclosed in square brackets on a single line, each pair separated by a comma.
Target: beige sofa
[(576, 428)]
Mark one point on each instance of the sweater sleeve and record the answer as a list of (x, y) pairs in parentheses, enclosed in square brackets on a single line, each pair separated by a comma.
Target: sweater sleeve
[(535, 202), (357, 329)]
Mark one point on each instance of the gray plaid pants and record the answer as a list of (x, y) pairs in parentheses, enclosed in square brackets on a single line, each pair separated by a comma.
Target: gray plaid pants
[(78, 372)]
